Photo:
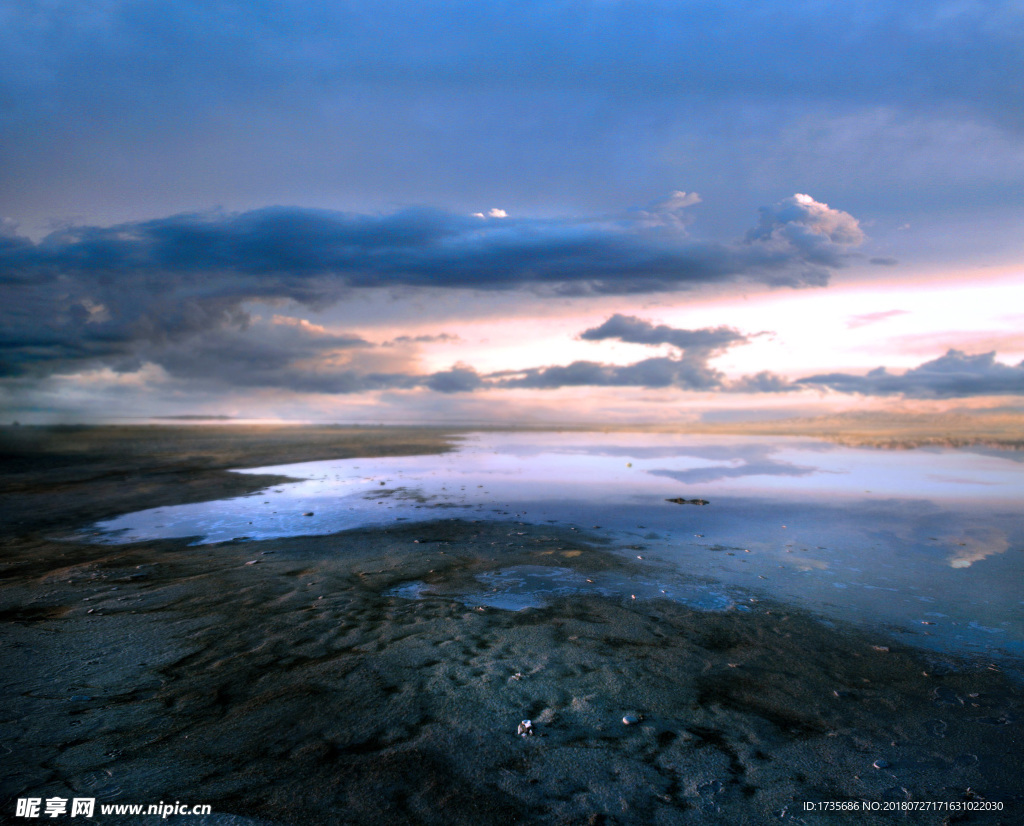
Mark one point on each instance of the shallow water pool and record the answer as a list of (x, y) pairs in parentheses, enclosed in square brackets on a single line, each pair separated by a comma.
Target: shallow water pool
[(928, 542)]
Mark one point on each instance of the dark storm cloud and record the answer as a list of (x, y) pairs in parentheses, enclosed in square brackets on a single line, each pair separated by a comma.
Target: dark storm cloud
[(85, 296), (637, 331), (953, 375), (283, 251)]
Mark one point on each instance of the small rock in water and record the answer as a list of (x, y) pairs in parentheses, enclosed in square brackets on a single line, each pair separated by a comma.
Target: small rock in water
[(308, 513), (630, 720), (526, 729)]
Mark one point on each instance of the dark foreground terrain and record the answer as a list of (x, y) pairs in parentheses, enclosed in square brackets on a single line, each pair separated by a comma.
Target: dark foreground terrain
[(277, 682)]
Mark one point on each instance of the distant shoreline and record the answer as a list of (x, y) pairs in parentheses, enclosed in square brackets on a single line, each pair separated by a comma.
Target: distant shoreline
[(1003, 430)]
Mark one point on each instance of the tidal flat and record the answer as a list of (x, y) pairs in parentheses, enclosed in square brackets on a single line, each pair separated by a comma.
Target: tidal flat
[(345, 677)]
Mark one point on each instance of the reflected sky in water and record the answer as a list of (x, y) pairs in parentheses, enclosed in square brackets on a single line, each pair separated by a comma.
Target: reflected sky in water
[(926, 543)]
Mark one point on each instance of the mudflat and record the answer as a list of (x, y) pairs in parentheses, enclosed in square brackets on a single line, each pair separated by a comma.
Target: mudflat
[(284, 682)]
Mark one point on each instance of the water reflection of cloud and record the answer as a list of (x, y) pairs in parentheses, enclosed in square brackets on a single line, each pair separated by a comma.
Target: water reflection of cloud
[(995, 452), (974, 547), (810, 564), (959, 480), (719, 452), (744, 452), (755, 460)]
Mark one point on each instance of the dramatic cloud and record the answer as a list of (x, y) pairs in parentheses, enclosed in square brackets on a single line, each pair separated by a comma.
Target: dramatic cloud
[(282, 251), (801, 225), (637, 331), (689, 371), (685, 374), (85, 296), (561, 146), (953, 375)]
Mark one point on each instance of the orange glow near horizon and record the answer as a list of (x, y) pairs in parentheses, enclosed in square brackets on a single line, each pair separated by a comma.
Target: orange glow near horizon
[(849, 327)]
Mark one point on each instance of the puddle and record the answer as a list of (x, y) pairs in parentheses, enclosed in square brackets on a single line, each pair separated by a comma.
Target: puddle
[(534, 586), (877, 537)]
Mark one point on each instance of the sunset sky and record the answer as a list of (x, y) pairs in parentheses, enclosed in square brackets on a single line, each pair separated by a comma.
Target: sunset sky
[(509, 211)]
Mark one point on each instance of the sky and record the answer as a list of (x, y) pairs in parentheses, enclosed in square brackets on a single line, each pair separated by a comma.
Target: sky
[(607, 211)]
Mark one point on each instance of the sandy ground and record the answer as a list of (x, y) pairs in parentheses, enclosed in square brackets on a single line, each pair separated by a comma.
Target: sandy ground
[(1001, 429), (277, 682)]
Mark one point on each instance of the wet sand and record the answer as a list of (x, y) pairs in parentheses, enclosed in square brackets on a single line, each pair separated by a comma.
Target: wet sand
[(277, 682)]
